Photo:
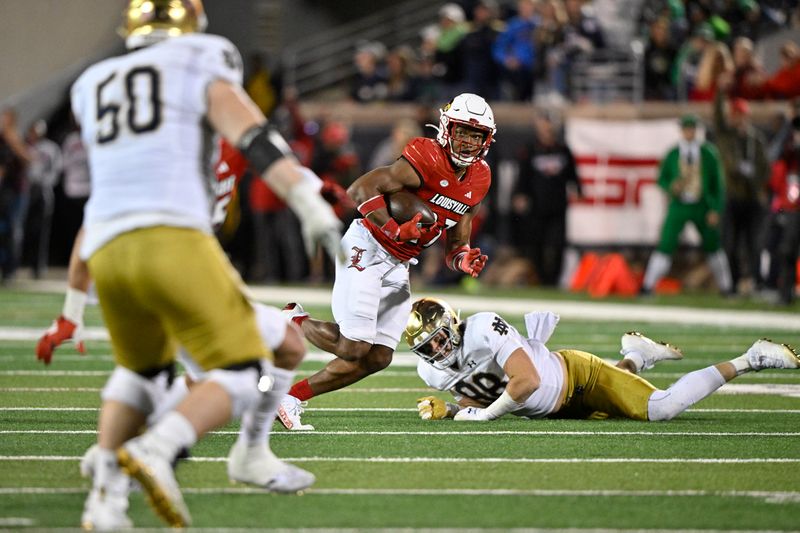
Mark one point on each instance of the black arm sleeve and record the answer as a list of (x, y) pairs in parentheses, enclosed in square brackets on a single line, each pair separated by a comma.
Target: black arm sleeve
[(262, 145)]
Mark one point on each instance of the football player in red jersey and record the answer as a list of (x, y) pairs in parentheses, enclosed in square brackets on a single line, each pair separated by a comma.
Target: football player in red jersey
[(371, 295)]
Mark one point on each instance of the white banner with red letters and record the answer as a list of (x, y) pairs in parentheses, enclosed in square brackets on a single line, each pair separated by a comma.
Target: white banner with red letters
[(618, 166)]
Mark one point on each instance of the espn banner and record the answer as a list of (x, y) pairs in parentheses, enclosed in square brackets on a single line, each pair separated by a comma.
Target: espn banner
[(618, 166)]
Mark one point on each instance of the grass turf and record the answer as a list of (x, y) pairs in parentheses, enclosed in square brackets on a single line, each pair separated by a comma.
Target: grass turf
[(731, 463)]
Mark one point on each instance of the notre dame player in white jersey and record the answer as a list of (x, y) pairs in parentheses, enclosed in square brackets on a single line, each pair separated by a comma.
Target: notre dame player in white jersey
[(492, 370), (148, 120)]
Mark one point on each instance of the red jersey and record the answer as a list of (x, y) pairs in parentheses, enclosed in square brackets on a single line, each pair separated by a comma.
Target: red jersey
[(229, 169), (447, 196), (785, 184)]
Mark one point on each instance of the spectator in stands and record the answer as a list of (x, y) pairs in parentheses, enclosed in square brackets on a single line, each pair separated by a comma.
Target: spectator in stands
[(480, 70), (429, 85), (390, 148), (781, 130), (691, 175), (698, 13), (334, 157), (715, 60), (547, 175), (514, 51), (583, 33), (14, 158), (688, 60), (747, 69), (548, 41), (744, 159), (76, 181), (744, 17), (370, 81), (784, 222), (659, 59), (43, 174), (785, 83), (401, 83), (673, 11), (452, 29)]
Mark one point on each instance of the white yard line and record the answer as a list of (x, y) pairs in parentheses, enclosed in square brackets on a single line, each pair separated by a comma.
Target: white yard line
[(567, 309), (17, 521), (464, 433), (50, 389), (787, 389), (405, 410), (783, 495), (60, 373), (580, 310), (494, 460)]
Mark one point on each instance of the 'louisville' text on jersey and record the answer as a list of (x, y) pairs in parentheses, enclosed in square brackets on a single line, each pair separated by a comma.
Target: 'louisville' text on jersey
[(448, 203)]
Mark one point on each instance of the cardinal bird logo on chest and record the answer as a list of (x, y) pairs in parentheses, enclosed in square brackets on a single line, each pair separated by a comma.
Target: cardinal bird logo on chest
[(355, 259)]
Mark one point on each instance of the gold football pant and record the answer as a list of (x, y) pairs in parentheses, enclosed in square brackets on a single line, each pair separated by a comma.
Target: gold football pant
[(598, 389), (161, 287)]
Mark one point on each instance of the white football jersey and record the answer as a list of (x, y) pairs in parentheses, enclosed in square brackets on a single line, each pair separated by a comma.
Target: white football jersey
[(487, 343), (142, 118)]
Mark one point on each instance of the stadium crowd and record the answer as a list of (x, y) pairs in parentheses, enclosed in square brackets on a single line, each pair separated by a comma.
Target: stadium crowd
[(516, 52)]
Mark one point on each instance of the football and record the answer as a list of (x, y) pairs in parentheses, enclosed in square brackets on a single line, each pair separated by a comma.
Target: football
[(403, 205)]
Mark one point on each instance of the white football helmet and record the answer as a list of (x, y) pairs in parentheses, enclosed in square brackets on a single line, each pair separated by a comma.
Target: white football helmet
[(472, 111), (433, 332), (151, 21)]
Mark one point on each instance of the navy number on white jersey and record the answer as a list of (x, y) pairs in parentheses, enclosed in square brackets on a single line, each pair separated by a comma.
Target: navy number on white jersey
[(143, 92), (482, 387)]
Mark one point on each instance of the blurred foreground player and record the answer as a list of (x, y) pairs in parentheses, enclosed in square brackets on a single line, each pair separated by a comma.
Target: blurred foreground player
[(162, 280)]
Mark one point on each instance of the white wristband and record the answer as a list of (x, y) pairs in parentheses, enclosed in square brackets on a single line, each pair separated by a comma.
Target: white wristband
[(74, 304), (306, 202), (311, 179), (504, 404)]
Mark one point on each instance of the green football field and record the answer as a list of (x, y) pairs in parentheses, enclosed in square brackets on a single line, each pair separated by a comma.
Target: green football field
[(730, 463)]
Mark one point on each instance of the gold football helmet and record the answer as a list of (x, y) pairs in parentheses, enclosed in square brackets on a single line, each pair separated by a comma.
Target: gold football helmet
[(433, 332), (151, 21)]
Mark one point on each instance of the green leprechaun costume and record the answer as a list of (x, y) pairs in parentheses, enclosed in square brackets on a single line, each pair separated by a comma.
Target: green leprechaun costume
[(691, 174)]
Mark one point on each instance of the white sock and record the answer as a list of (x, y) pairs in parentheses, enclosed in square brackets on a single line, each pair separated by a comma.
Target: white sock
[(687, 391), (74, 304), (172, 433), (657, 267), (636, 358), (718, 263), (107, 474), (257, 421), (176, 393), (741, 364)]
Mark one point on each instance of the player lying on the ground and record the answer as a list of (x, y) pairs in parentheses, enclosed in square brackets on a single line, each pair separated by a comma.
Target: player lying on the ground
[(446, 177), (492, 370)]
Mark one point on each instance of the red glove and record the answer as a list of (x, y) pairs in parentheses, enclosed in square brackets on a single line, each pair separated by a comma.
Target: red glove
[(407, 231), (467, 260), (61, 331), (334, 194)]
